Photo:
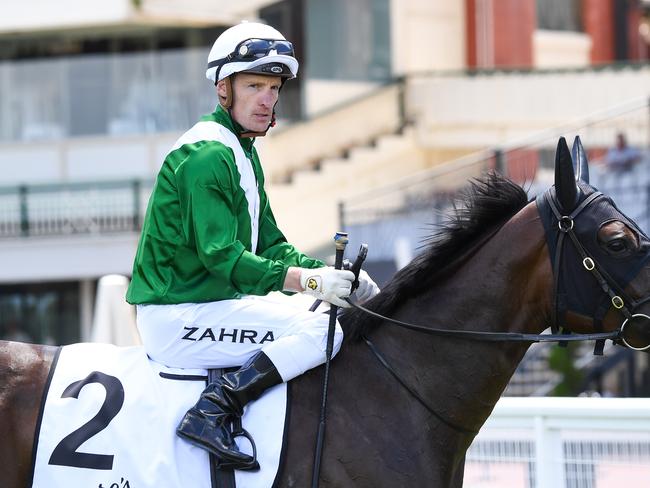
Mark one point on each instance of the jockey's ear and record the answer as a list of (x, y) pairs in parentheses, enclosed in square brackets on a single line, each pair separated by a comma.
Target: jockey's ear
[(566, 190), (224, 92)]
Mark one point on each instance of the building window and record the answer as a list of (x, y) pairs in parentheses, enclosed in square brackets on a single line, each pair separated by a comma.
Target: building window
[(348, 39), (562, 15), (42, 313)]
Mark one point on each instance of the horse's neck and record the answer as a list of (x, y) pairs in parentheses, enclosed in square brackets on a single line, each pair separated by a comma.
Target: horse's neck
[(507, 285), (504, 287)]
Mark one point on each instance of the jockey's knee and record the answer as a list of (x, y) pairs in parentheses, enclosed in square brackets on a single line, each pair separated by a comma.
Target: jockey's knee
[(317, 334), (295, 354)]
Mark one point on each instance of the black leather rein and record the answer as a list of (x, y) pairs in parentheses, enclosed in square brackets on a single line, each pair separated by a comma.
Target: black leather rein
[(490, 336)]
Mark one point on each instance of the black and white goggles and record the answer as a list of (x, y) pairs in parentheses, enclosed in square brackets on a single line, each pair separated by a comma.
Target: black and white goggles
[(252, 49)]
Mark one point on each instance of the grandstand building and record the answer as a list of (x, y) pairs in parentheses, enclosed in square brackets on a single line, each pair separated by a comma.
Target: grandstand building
[(94, 93)]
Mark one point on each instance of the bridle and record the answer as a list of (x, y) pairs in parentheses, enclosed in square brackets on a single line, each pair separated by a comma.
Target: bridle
[(617, 298)]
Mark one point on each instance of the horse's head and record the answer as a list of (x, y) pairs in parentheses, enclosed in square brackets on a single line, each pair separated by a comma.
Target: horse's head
[(600, 257)]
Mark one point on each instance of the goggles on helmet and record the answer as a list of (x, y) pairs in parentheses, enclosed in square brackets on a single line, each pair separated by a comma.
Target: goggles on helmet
[(252, 49)]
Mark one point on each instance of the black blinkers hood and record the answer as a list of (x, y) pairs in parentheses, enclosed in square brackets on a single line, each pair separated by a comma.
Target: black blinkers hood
[(577, 290)]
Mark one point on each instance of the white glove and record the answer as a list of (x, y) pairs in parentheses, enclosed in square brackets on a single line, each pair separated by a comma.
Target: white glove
[(327, 284), (367, 287)]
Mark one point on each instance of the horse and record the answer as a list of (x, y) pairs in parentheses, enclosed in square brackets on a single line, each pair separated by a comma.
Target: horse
[(404, 406)]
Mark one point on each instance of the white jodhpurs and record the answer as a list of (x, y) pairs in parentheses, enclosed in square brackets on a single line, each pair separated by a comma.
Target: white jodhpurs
[(227, 333)]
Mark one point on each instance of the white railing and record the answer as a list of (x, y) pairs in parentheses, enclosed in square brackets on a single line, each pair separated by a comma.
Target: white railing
[(562, 443)]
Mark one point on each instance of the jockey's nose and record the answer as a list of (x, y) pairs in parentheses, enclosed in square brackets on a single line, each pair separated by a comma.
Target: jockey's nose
[(268, 97)]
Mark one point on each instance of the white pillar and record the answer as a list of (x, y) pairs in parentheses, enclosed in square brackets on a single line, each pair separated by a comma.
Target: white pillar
[(549, 456), (113, 318), (85, 308)]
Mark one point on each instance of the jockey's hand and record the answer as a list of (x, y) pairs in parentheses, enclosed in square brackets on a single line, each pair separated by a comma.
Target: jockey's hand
[(327, 284), (367, 287)]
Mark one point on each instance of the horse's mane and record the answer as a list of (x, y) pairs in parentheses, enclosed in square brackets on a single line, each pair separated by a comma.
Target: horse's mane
[(486, 204)]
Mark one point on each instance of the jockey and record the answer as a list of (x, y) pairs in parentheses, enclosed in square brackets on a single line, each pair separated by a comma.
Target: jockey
[(210, 252)]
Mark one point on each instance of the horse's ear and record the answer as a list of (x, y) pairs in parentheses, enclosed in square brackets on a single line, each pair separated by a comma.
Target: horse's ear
[(580, 163), (566, 190)]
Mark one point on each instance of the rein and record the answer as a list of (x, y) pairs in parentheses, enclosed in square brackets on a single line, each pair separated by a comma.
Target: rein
[(384, 362), (490, 336)]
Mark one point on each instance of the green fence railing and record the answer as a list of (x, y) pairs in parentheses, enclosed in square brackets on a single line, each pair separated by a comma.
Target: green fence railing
[(73, 208)]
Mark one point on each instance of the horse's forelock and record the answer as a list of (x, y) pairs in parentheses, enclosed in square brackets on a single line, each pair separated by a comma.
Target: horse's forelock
[(485, 204)]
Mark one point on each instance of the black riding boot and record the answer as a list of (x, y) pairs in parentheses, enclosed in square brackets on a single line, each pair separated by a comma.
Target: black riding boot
[(207, 424)]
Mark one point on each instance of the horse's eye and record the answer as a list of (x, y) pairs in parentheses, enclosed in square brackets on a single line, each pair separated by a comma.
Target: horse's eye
[(617, 239), (617, 246)]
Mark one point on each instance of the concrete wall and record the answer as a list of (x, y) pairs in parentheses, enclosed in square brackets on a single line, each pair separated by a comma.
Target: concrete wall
[(554, 49), (71, 258), (493, 109), (322, 95), (427, 35), (83, 159), (41, 15), (34, 15)]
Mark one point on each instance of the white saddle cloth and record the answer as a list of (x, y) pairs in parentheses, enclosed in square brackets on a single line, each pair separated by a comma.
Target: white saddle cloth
[(109, 421)]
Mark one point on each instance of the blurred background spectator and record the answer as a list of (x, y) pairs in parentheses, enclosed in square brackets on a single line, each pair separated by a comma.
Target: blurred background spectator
[(622, 157)]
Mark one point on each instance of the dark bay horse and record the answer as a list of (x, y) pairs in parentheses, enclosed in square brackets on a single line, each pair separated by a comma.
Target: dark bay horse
[(489, 269)]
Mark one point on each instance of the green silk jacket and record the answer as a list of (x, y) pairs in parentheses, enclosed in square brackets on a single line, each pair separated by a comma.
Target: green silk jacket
[(209, 232)]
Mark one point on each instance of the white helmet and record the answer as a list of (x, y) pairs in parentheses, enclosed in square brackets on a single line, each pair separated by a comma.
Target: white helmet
[(251, 47)]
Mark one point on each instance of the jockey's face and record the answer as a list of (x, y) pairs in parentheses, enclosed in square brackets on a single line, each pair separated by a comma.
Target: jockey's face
[(254, 99)]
